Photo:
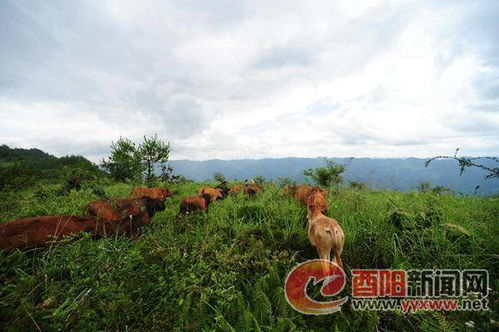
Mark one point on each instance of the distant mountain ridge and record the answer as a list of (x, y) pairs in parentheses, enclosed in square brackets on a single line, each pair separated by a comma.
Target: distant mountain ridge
[(390, 173)]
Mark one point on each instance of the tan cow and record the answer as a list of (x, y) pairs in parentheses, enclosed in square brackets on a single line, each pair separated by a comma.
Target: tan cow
[(324, 233), (214, 193), (302, 192)]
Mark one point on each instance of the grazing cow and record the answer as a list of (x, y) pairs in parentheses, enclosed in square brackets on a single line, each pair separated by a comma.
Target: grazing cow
[(38, 231), (302, 192), (252, 189), (151, 192), (194, 203), (289, 190), (213, 193), (236, 189), (324, 233), (110, 210)]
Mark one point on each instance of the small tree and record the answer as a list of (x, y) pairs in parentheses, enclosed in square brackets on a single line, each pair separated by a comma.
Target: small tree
[(124, 163), (129, 161), (282, 181), (153, 151), (259, 180), (328, 175), (219, 177)]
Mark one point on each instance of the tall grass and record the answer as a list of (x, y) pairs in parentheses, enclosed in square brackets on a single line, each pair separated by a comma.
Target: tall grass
[(224, 270)]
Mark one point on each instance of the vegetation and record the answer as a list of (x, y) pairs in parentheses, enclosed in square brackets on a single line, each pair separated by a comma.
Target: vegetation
[(219, 177), (328, 175), (131, 162), (225, 270)]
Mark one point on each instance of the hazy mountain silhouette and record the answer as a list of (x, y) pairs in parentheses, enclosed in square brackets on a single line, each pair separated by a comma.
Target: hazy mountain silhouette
[(391, 173)]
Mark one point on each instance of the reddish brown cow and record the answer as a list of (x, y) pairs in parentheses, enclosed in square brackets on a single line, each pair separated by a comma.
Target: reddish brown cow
[(38, 231), (252, 189), (151, 192), (194, 203), (302, 192), (214, 193), (110, 210)]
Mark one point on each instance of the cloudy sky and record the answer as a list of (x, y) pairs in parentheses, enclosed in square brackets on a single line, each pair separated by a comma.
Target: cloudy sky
[(251, 79)]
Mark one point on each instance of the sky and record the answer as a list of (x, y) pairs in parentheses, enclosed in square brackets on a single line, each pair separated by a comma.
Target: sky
[(226, 79)]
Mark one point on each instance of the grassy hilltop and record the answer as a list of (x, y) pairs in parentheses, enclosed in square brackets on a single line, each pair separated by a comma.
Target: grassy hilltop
[(225, 270)]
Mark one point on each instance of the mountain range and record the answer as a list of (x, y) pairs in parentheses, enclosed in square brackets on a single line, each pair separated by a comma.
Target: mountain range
[(380, 173)]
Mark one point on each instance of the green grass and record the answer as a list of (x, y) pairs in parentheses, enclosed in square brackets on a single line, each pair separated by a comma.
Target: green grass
[(224, 270)]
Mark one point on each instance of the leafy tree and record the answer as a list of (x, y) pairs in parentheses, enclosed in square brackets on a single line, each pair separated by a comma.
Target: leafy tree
[(129, 161), (357, 185), (153, 151), (282, 181), (259, 180), (328, 175), (124, 163), (219, 177)]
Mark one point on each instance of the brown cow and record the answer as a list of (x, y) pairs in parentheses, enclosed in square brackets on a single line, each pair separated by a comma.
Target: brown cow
[(214, 193), (38, 231), (151, 192), (194, 203), (302, 192), (252, 189), (236, 189), (110, 210), (324, 233)]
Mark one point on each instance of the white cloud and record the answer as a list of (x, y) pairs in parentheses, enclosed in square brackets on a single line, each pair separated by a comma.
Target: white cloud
[(251, 79)]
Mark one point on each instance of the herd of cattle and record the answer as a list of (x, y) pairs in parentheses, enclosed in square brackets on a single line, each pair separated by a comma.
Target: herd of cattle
[(126, 216)]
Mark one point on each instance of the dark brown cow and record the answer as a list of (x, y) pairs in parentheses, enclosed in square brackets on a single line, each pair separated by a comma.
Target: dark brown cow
[(110, 210), (302, 192), (38, 231), (252, 189), (151, 192), (194, 203)]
